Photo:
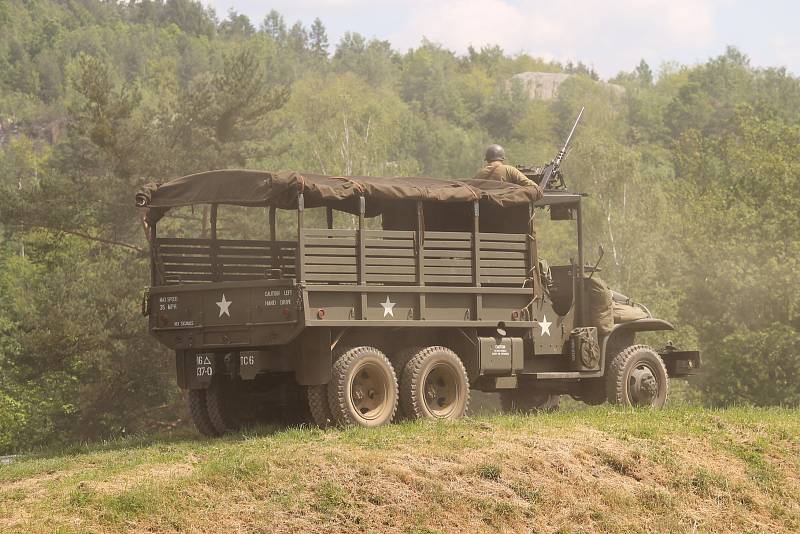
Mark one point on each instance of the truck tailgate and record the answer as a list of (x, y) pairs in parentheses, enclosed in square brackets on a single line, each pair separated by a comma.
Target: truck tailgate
[(224, 313)]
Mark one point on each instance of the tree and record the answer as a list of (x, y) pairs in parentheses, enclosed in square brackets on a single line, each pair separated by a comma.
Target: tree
[(237, 25), (318, 38), (297, 39), (274, 26), (644, 74), (373, 60)]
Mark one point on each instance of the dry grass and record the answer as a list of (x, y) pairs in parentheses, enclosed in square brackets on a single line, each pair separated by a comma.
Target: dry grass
[(576, 471)]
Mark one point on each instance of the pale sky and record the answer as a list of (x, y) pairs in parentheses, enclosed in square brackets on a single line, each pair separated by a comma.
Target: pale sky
[(609, 35)]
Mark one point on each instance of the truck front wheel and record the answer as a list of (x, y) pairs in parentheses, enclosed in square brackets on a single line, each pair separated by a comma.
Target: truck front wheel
[(637, 377), (363, 388), (434, 385)]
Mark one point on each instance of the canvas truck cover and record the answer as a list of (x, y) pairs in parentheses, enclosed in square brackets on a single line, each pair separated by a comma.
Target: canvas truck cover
[(281, 189)]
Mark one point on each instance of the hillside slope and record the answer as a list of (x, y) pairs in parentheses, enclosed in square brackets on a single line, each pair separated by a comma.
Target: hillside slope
[(583, 470)]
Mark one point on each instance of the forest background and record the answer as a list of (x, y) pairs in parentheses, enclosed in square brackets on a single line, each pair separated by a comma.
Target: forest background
[(693, 175)]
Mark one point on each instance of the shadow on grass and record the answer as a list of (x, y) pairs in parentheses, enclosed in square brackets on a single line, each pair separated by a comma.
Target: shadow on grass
[(181, 436), (624, 423)]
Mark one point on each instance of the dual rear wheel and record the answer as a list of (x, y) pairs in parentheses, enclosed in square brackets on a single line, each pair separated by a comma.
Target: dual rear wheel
[(368, 389), (228, 405)]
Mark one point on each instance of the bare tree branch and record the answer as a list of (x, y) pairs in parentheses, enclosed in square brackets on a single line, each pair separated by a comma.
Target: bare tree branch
[(92, 238)]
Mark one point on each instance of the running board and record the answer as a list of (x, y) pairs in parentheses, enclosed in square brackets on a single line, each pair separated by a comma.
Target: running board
[(567, 374)]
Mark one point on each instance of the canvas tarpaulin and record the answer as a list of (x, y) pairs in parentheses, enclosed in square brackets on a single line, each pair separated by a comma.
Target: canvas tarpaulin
[(599, 312), (280, 190)]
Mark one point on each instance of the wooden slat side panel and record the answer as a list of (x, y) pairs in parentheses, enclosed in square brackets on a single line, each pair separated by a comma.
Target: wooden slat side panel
[(391, 234), (391, 243), (448, 253), (447, 262), (349, 269), (186, 241), (448, 235), (390, 269), (241, 269), (267, 260), (502, 281), (185, 259), (196, 251), (509, 263), (329, 251), (330, 260), (499, 271), (460, 271), (324, 278), (455, 244), (173, 268), (448, 279), (390, 252), (502, 245), (324, 232), (497, 254), (390, 261), (183, 241), (392, 278), (241, 251), (197, 277), (513, 238), (331, 241)]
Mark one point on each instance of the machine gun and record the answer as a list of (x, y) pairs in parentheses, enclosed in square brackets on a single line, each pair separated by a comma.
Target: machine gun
[(551, 173)]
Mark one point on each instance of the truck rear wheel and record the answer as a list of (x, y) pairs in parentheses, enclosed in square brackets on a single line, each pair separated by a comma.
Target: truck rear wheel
[(637, 377), (363, 388), (318, 404), (221, 402), (199, 412), (434, 385), (528, 401), (400, 361)]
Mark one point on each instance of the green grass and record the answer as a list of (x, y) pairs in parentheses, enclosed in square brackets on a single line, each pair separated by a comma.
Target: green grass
[(580, 469)]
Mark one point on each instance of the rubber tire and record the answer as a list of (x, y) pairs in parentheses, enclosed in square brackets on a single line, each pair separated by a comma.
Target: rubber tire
[(220, 402), (618, 372), (400, 361), (593, 392), (318, 404), (528, 401), (199, 412), (341, 407), (413, 380)]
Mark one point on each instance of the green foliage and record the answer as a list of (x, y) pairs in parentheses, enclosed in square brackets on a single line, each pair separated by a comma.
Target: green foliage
[(693, 175)]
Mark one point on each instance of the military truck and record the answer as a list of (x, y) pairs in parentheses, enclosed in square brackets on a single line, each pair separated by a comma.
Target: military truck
[(431, 289)]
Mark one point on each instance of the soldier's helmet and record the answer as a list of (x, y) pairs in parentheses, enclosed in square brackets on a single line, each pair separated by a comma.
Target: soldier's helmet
[(495, 153)]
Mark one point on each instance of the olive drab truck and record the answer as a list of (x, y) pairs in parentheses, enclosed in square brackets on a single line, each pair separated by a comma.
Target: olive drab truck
[(428, 289)]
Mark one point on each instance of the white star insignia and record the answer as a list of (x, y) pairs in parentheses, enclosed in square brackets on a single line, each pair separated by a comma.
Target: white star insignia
[(224, 306), (544, 324), (388, 307)]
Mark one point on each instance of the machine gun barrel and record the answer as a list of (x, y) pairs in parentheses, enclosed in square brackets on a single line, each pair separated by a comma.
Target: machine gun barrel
[(556, 163)]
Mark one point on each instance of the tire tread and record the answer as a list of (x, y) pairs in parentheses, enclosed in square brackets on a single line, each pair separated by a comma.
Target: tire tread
[(337, 390), (318, 404), (615, 390), (199, 413), (410, 381)]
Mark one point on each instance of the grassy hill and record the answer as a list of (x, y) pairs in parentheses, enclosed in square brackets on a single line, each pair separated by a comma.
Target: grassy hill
[(683, 469)]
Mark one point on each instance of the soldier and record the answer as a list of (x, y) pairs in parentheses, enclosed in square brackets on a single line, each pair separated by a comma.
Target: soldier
[(495, 169)]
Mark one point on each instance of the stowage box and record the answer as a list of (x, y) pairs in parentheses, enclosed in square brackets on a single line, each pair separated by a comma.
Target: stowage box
[(501, 356)]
